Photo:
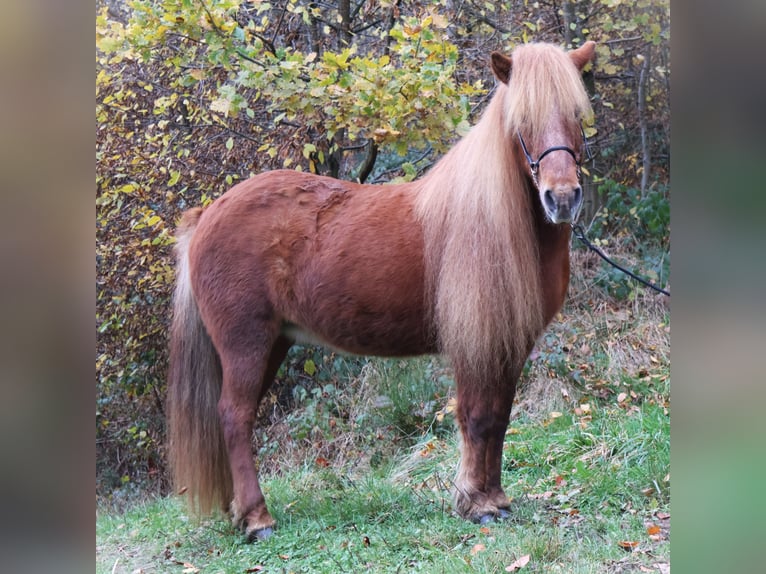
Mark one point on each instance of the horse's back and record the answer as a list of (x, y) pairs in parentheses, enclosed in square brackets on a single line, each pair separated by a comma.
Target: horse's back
[(340, 261)]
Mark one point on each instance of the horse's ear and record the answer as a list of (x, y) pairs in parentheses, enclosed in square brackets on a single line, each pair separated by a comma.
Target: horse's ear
[(583, 54), (501, 66)]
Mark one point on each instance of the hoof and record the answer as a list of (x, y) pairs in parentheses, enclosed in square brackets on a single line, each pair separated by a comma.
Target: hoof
[(501, 514), (260, 534)]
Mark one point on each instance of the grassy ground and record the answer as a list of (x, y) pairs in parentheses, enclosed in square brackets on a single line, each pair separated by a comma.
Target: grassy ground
[(358, 471)]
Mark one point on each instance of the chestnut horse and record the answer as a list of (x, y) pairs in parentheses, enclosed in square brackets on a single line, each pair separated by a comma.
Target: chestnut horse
[(471, 261)]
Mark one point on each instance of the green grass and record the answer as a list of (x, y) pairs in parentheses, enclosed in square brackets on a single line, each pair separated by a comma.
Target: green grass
[(581, 483)]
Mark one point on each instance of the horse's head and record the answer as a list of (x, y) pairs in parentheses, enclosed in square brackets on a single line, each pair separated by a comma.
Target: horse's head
[(546, 102)]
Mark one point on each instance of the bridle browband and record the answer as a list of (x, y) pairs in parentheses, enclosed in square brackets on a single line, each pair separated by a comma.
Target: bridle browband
[(534, 166)]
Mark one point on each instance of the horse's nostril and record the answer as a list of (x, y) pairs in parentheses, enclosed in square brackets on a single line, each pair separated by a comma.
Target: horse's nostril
[(550, 203), (577, 195)]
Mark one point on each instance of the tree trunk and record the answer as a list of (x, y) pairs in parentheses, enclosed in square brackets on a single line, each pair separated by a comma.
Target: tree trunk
[(314, 38), (646, 154), (344, 11)]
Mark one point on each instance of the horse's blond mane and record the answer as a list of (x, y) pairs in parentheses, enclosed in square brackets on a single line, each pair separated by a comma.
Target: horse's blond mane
[(475, 207)]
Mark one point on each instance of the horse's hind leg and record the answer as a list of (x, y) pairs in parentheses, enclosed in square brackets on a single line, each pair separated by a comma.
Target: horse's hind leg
[(248, 371)]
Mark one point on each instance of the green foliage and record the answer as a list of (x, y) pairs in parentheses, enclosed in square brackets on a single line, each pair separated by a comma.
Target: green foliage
[(630, 223), (410, 394), (625, 214)]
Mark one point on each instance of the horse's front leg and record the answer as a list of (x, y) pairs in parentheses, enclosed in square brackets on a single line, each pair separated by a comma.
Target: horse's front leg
[(483, 411)]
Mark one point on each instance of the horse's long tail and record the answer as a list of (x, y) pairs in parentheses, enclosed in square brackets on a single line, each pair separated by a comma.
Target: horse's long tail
[(197, 453)]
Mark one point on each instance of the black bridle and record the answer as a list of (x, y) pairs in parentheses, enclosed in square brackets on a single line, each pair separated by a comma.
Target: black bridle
[(534, 166)]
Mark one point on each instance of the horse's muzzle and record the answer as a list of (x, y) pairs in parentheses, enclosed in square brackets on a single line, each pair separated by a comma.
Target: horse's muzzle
[(562, 204)]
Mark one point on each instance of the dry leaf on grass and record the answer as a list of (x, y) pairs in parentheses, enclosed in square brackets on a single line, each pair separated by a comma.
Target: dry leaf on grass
[(518, 564), (477, 548)]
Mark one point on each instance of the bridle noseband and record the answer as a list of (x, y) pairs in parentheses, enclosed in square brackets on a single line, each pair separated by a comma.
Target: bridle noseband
[(534, 166)]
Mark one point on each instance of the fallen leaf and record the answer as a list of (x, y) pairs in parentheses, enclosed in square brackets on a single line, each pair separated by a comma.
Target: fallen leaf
[(627, 545), (653, 529), (555, 414), (257, 568), (323, 462), (484, 530), (518, 564), (366, 541), (477, 548), (621, 397), (662, 515), (439, 21), (221, 105)]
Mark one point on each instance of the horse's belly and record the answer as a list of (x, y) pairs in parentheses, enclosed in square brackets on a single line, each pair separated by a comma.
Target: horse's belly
[(362, 342)]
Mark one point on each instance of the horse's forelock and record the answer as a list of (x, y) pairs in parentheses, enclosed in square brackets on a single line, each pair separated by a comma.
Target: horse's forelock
[(544, 85)]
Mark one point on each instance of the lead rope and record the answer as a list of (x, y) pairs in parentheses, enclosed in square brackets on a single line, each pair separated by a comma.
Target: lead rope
[(580, 234)]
